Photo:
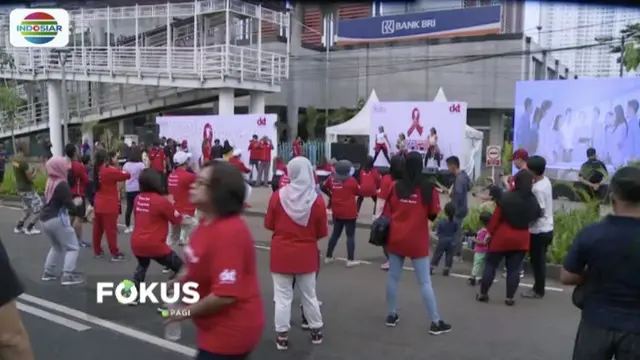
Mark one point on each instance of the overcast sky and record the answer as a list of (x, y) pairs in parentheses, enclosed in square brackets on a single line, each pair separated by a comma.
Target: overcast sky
[(531, 17)]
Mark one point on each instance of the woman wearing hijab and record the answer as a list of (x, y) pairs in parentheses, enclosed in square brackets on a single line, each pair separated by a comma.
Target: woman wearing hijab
[(56, 223), (412, 202), (516, 210), (298, 218)]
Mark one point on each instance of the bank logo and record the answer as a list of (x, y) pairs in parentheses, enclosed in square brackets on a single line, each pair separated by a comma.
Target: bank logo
[(39, 28), (388, 27)]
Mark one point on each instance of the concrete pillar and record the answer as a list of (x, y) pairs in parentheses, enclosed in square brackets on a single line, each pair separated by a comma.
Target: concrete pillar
[(54, 95), (121, 129), (256, 102), (295, 39), (226, 102)]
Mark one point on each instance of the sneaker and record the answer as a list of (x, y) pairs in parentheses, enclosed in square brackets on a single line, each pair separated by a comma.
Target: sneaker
[(166, 270), (439, 328), (352, 263), (48, 276), (472, 281), (128, 230), (521, 274), (431, 271), (282, 342), (316, 337), (509, 302), (18, 230), (84, 244), (99, 255), (32, 231), (446, 272), (118, 258), (392, 320), (385, 266), (328, 260), (71, 279), (531, 294), (304, 324)]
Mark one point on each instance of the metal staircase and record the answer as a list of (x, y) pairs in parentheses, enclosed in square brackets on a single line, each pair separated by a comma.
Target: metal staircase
[(163, 63)]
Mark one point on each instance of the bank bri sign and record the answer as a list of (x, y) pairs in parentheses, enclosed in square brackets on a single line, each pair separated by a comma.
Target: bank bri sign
[(433, 24)]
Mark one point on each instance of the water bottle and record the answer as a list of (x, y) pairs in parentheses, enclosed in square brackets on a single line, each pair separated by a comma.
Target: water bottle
[(173, 330)]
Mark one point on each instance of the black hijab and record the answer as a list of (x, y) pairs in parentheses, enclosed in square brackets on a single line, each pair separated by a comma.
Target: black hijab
[(413, 179), (520, 208), (396, 167)]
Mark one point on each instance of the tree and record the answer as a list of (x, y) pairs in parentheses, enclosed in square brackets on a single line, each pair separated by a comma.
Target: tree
[(631, 53), (9, 104), (6, 61), (310, 119)]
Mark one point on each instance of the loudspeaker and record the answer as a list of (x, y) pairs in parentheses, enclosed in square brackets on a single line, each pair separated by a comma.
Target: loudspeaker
[(356, 153)]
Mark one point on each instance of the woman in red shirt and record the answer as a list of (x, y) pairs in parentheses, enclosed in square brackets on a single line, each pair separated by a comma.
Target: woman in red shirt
[(298, 218), (509, 230), (344, 190), (221, 258), (153, 212), (411, 204), (396, 171), (106, 177), (369, 181)]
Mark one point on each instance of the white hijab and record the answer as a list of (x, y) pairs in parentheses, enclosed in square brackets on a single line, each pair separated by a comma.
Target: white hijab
[(298, 196)]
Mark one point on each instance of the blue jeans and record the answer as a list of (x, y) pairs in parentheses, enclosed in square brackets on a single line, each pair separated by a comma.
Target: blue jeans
[(349, 227), (421, 267)]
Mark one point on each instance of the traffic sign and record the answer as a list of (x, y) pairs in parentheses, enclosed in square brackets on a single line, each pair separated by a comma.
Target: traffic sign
[(494, 153)]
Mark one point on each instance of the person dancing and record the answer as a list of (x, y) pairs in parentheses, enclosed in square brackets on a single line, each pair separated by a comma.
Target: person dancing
[(401, 144), (381, 145), (369, 181), (297, 217), (433, 151)]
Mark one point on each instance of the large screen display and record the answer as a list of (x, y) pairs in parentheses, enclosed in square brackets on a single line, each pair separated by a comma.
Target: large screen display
[(561, 119)]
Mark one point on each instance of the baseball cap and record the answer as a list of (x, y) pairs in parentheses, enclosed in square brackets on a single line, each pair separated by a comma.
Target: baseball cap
[(236, 152), (521, 154), (181, 158)]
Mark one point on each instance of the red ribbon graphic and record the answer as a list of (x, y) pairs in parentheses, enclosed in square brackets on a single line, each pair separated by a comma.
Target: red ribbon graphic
[(415, 123)]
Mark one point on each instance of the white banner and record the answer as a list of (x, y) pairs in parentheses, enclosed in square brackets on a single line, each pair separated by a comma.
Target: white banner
[(415, 120), (238, 129)]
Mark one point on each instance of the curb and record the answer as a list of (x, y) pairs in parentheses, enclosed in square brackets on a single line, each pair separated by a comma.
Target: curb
[(553, 270)]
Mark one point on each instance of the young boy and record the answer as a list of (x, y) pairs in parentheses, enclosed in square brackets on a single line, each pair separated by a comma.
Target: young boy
[(446, 229), (480, 247)]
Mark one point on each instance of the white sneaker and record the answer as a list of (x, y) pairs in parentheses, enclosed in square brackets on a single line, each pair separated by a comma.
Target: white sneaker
[(18, 230), (33, 231), (352, 263), (128, 230), (328, 260)]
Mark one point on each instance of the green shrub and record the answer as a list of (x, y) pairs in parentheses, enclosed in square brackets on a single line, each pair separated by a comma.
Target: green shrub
[(9, 183)]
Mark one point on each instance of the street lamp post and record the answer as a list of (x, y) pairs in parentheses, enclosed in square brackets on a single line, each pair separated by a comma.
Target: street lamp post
[(63, 54)]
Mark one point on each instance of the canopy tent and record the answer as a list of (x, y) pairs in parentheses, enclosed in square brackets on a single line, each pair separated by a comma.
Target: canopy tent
[(473, 145), (357, 125)]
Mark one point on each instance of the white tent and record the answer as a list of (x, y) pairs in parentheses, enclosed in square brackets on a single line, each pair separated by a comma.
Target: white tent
[(473, 144)]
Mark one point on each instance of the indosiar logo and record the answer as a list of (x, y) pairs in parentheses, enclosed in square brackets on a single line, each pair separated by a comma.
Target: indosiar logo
[(39, 28)]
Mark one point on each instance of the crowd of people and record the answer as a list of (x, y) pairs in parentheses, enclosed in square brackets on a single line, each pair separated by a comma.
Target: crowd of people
[(173, 202)]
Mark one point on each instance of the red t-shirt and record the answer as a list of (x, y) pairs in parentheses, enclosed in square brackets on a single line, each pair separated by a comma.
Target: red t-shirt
[(81, 178), (157, 159), (255, 150), (179, 183), (153, 212), (225, 265), (369, 181), (409, 228), (239, 164), (107, 198), (385, 187), (266, 150), (343, 198), (504, 237), (294, 248)]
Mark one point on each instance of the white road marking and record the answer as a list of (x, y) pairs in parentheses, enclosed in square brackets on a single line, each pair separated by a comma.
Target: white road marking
[(136, 334), (52, 317), (268, 248)]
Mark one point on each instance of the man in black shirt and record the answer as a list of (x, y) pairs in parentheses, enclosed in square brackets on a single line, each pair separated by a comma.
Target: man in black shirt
[(592, 174), (216, 150), (14, 340), (605, 260)]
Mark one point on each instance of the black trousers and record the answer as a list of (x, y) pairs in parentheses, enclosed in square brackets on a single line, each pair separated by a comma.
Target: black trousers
[(539, 243), (171, 261), (385, 152), (432, 154), (205, 355), (361, 199), (446, 248), (597, 343), (513, 261), (131, 196)]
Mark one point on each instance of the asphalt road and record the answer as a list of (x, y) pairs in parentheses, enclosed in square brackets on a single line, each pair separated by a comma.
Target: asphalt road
[(65, 323)]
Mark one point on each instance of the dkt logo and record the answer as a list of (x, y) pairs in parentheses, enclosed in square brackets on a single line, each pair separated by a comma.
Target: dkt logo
[(455, 108), (261, 122)]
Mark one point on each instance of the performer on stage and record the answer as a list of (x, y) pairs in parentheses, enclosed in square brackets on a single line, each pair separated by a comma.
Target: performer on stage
[(381, 145), (433, 151), (401, 144)]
